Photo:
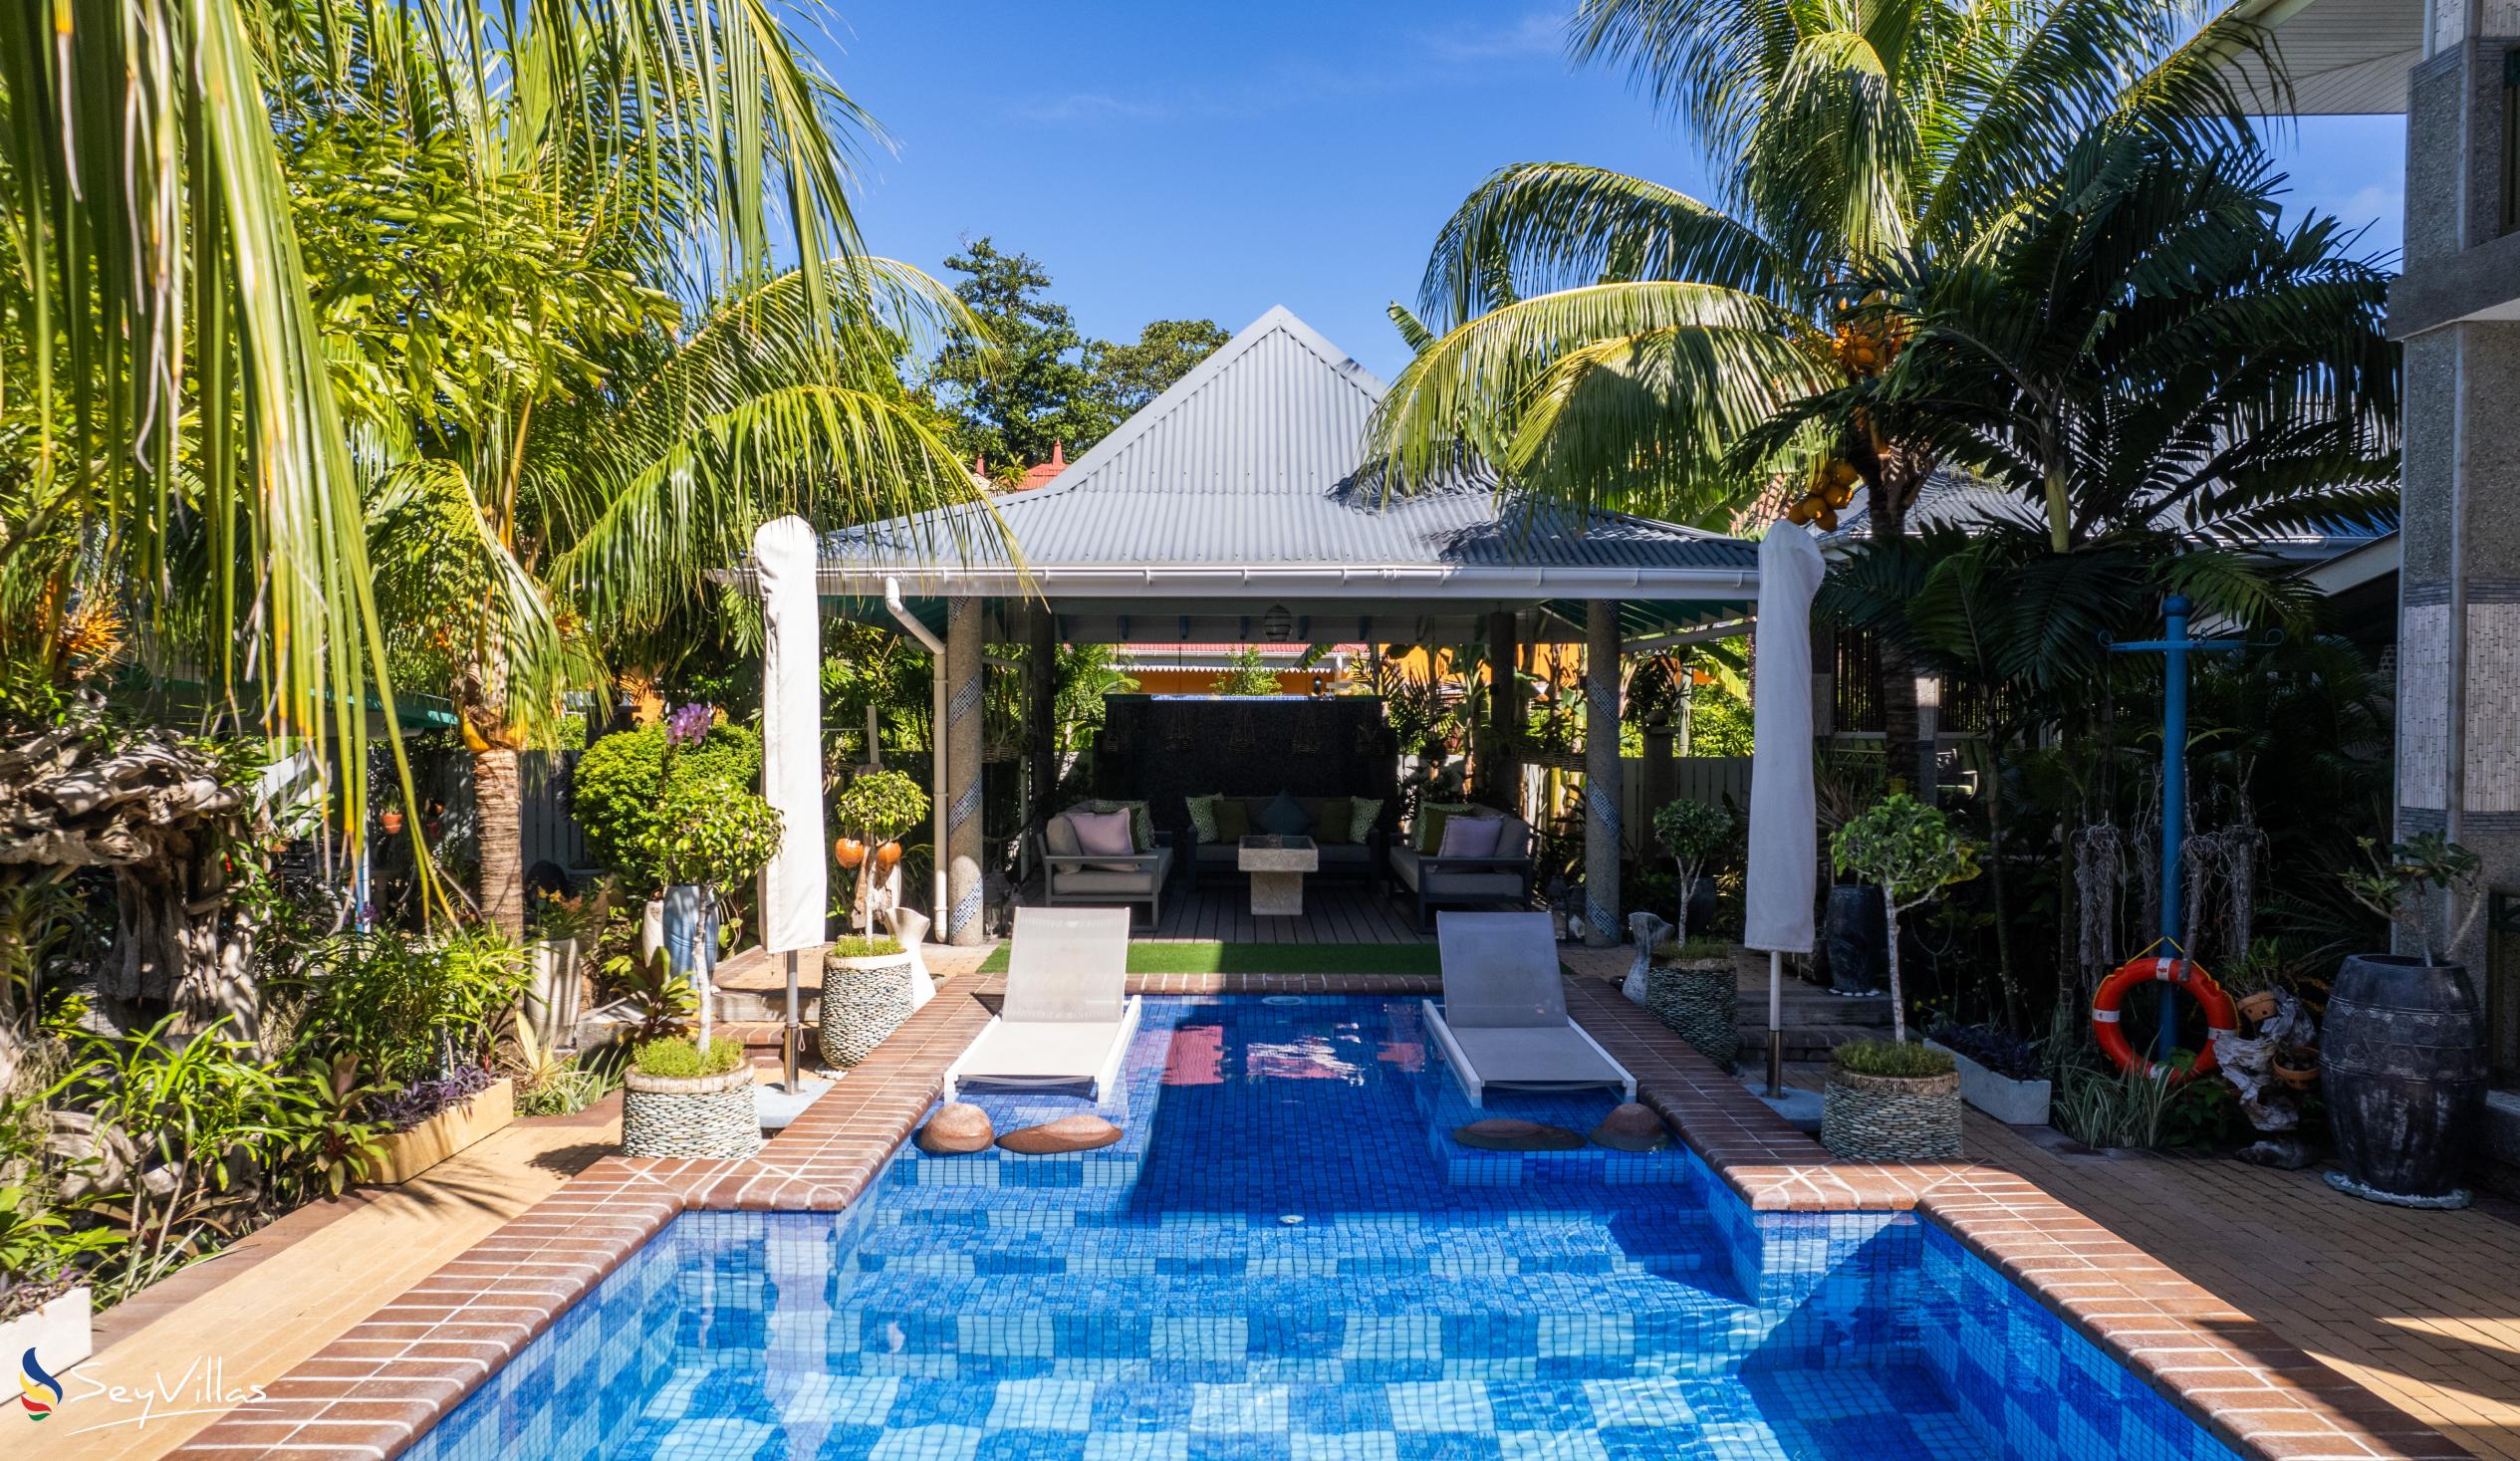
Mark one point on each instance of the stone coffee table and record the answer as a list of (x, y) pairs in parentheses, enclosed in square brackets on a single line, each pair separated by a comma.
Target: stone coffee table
[(1277, 866)]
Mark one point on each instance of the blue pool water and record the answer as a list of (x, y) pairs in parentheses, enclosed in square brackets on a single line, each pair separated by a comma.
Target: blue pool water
[(1291, 1259)]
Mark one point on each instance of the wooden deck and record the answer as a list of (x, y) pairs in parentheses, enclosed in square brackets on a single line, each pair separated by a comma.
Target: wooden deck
[(1334, 912)]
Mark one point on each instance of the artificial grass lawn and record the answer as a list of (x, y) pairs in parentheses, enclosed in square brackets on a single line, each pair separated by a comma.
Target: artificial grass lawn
[(1265, 958)]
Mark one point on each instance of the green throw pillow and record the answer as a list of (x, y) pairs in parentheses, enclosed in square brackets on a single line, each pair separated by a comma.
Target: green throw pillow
[(1432, 817), (1369, 810), (1330, 820), (1233, 820), (1203, 816)]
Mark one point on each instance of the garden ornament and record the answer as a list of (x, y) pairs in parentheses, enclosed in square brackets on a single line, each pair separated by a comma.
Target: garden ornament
[(1648, 930)]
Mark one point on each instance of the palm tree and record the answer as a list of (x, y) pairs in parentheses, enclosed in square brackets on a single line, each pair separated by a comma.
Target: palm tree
[(1604, 339), (167, 371), (2146, 345)]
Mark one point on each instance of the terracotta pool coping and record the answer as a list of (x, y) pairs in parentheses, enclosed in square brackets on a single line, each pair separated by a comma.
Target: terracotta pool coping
[(2230, 1374), (372, 1392)]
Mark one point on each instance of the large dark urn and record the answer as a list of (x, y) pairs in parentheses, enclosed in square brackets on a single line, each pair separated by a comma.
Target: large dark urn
[(1859, 939), (1701, 904), (2403, 1059)]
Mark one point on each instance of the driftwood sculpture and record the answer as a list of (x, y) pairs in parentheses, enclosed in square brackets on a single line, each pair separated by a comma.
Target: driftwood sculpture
[(162, 814)]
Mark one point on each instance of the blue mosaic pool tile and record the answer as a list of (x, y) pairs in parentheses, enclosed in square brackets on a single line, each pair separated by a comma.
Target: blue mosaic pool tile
[(1152, 1302)]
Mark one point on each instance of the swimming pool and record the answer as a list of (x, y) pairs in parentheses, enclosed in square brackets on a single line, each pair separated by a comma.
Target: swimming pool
[(1290, 1258)]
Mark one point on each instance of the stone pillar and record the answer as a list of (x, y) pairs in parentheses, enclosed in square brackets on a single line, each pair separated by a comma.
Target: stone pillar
[(1041, 677), (1600, 772), (2459, 617), (964, 849), (1500, 759)]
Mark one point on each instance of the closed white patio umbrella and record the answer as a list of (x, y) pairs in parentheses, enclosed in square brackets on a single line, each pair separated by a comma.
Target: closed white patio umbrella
[(795, 886), (1784, 830)]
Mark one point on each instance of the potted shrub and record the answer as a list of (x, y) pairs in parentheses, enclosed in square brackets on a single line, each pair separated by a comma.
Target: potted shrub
[(1692, 833), (1890, 1100), (680, 1097), (1691, 989), (44, 1304), (710, 834), (2000, 1073), (2251, 981), (408, 1024), (2402, 1058), (867, 991), (875, 809)]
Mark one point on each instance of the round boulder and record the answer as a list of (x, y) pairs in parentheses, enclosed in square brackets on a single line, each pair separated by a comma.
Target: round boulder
[(1632, 1127), (1068, 1133), (956, 1128), (1504, 1133)]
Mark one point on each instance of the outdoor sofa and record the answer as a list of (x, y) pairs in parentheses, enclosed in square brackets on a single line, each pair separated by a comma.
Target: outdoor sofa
[(1435, 880), (1345, 858), (1070, 874)]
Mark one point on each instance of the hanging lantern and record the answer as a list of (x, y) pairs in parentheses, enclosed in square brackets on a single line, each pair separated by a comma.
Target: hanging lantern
[(850, 851), (886, 856), (1277, 625)]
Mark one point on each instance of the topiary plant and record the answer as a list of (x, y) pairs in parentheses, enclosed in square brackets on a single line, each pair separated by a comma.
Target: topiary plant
[(1692, 833), (618, 791), (714, 834), (878, 805), (1912, 852)]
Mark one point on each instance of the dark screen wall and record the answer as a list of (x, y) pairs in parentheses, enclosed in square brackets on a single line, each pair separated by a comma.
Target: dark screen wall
[(1164, 748)]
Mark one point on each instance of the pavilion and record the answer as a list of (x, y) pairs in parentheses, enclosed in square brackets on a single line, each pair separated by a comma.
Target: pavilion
[(1230, 509)]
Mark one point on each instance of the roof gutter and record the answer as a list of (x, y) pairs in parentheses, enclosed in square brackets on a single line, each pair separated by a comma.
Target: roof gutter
[(1417, 580), (936, 736)]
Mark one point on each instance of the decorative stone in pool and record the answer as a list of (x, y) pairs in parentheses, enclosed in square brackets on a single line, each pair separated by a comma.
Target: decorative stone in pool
[(1582, 1312)]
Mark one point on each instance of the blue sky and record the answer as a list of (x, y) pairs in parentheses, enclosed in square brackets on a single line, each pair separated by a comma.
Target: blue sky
[(1190, 161)]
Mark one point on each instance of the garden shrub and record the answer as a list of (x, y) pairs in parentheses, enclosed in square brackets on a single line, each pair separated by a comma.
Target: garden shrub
[(865, 948), (1993, 1047), (616, 796)]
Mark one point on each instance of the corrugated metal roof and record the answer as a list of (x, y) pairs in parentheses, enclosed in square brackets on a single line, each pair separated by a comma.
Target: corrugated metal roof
[(1251, 462)]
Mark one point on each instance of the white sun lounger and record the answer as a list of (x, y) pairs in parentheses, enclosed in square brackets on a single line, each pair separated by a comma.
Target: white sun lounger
[(1067, 1014), (1503, 1020)]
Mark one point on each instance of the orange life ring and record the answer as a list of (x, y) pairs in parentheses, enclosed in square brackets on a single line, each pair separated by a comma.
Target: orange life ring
[(2220, 1017)]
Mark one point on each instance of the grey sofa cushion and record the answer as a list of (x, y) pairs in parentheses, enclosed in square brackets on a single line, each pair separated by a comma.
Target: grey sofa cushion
[(1060, 836), (1407, 866), (1130, 885)]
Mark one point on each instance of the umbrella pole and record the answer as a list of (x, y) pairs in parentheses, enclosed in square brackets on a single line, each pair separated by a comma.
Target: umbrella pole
[(787, 1039), (1776, 1023)]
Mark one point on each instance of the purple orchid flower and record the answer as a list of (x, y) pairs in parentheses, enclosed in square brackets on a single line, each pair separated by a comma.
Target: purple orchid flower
[(690, 725)]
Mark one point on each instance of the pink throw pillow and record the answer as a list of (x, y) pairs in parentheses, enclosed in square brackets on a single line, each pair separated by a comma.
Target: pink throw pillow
[(1471, 837), (1107, 833)]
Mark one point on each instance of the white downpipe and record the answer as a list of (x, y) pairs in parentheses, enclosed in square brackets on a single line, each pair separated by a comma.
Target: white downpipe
[(936, 721)]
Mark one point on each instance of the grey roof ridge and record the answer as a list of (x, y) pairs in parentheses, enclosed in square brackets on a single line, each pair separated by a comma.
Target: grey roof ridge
[(1147, 417)]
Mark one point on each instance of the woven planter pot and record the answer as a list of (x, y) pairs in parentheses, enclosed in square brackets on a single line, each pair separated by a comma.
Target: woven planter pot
[(699, 1115), (864, 1000), (1700, 1004), (1883, 1118)]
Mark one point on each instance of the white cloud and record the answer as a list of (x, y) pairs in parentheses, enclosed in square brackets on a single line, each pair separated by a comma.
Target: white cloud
[(1538, 34)]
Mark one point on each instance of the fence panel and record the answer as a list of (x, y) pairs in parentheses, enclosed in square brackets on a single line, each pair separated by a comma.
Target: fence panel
[(550, 831)]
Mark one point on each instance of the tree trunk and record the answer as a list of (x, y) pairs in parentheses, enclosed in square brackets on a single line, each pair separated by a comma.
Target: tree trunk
[(1500, 780), (1902, 734), (2006, 972), (1899, 998), (498, 825)]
